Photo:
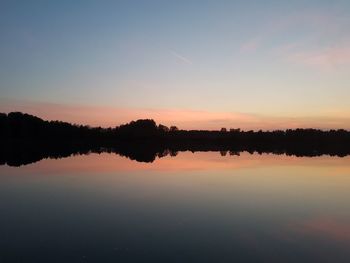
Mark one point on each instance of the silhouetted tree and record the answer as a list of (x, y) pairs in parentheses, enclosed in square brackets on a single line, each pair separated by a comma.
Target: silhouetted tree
[(173, 128), (163, 128)]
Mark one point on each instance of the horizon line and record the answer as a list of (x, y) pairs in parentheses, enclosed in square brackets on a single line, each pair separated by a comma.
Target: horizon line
[(109, 116), (221, 129)]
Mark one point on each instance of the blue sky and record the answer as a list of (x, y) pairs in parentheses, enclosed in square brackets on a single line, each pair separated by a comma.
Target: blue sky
[(270, 58)]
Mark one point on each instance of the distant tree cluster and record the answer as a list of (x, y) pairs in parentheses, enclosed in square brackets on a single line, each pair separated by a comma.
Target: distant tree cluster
[(17, 125)]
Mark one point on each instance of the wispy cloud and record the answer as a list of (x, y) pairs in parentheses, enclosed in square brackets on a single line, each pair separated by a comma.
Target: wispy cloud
[(317, 39), (324, 59), (180, 57), (251, 45)]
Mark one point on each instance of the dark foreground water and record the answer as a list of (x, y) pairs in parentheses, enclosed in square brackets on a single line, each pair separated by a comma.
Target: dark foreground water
[(195, 207)]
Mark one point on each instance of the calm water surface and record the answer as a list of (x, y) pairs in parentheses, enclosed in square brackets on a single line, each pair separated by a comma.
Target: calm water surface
[(195, 207)]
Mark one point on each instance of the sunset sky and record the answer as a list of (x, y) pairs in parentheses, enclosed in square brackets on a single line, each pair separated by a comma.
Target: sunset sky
[(194, 64)]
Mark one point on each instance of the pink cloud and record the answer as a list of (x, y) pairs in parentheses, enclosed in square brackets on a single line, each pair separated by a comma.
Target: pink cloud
[(251, 45), (318, 27), (327, 58), (319, 23)]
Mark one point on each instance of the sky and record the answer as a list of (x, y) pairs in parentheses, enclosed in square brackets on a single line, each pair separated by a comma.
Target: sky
[(195, 64)]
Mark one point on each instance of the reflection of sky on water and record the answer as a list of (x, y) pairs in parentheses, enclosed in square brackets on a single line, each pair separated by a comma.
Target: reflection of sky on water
[(193, 206)]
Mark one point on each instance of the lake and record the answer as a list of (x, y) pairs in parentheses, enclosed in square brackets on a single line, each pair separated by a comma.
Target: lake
[(192, 207)]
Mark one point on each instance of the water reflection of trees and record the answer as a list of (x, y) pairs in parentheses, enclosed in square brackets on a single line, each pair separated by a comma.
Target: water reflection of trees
[(21, 153), (26, 139)]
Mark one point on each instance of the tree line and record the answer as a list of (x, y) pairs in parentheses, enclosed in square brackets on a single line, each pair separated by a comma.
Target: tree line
[(17, 125), (26, 138)]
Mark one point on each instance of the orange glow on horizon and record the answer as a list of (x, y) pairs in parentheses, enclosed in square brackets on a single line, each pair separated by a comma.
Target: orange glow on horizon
[(182, 118)]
